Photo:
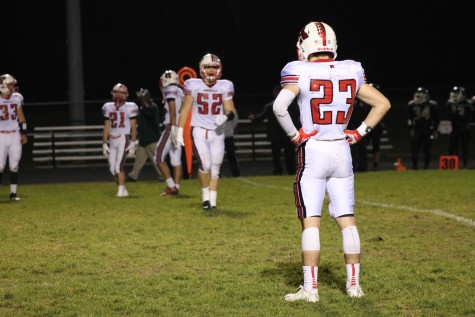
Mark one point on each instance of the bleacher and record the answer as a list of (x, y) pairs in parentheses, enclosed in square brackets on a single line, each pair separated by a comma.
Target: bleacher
[(76, 146), (59, 146)]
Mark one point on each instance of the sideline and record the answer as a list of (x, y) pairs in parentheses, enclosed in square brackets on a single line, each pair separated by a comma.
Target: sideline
[(437, 212)]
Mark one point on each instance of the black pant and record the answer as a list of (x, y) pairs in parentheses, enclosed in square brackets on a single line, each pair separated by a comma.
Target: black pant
[(230, 149), (458, 142), (359, 155), (421, 139), (289, 153)]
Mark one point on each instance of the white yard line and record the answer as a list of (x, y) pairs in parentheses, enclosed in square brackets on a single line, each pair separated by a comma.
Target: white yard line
[(438, 212)]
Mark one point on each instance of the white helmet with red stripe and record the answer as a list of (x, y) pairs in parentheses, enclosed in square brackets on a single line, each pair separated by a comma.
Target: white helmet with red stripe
[(169, 77), (210, 75), (7, 81), (316, 37), (119, 92)]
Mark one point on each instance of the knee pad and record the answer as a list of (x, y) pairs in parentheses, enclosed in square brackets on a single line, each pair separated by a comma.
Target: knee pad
[(215, 171), (351, 240), (175, 157), (311, 239)]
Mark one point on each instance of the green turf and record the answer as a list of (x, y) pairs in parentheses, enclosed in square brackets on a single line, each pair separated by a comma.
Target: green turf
[(76, 250)]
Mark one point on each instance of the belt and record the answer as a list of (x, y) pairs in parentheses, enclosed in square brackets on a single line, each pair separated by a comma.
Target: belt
[(8, 131), (331, 140), (115, 136)]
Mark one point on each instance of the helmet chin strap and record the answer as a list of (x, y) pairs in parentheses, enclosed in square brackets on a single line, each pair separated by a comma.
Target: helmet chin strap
[(118, 102)]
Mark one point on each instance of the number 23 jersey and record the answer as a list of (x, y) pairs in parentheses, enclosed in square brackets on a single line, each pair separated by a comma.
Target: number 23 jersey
[(327, 93)]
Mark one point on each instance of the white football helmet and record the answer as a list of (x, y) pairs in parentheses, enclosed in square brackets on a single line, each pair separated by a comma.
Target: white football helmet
[(316, 37), (169, 77), (457, 94), (421, 95), (7, 80), (119, 92), (210, 76)]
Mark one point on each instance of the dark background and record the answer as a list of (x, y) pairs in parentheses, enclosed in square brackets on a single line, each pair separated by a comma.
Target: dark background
[(401, 46)]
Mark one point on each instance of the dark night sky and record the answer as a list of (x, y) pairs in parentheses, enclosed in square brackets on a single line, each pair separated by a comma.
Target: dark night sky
[(133, 42)]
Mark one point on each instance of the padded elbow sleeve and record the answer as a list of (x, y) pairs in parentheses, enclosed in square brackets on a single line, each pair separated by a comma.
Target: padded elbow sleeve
[(281, 104), (351, 240)]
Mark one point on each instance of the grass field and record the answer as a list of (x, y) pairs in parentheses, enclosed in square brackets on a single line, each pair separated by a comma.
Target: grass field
[(76, 250)]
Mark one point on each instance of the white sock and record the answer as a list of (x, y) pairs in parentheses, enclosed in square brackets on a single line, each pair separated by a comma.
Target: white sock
[(213, 195), (310, 274), (121, 189), (352, 274), (170, 182), (177, 186), (205, 194), (13, 188)]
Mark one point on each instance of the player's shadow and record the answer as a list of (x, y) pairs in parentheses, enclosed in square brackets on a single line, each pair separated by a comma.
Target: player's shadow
[(292, 273)]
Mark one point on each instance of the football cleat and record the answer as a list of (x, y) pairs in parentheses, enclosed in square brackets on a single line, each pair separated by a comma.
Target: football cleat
[(13, 197), (310, 296), (123, 194), (206, 205), (169, 191), (355, 291)]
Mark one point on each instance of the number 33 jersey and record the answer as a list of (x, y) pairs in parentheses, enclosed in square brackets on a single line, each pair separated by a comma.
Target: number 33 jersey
[(327, 93), (8, 112)]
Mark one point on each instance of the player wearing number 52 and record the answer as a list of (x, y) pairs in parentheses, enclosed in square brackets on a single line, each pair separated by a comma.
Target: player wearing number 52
[(211, 101), (120, 133), (327, 89)]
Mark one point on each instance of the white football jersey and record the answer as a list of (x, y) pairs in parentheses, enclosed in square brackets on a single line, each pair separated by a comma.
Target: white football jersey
[(208, 101), (120, 118), (172, 92), (8, 112), (327, 94)]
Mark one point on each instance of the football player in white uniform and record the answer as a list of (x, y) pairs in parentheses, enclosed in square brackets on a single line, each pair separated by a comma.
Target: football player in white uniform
[(211, 101), (173, 96), (120, 131), (325, 90), (12, 130)]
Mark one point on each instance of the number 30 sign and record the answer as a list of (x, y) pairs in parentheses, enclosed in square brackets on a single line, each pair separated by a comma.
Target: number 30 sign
[(449, 162)]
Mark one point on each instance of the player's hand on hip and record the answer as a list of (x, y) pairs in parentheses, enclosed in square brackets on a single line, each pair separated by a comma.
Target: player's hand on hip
[(105, 149), (353, 136), (301, 136)]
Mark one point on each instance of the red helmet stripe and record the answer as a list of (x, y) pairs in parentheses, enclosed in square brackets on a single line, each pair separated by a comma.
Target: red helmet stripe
[(322, 32)]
